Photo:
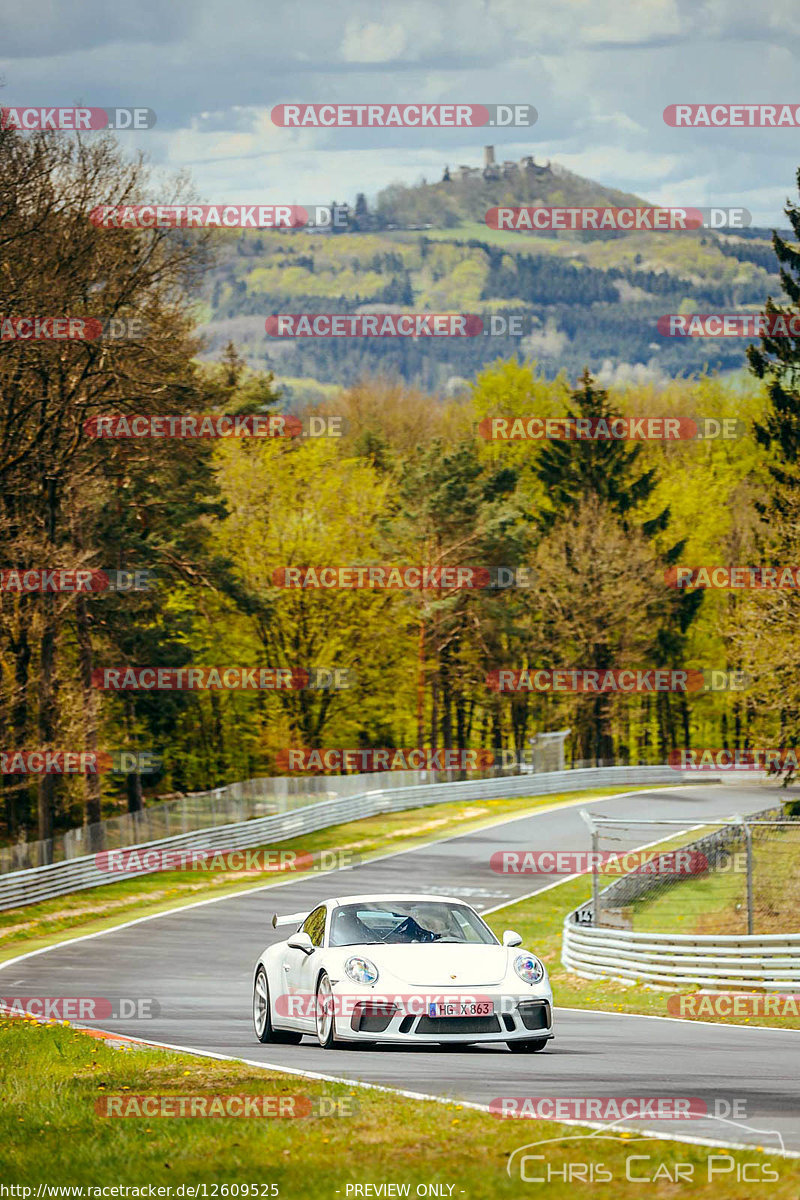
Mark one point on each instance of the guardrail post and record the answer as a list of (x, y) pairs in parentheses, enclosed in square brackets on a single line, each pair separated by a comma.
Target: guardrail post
[(748, 833), (748, 845), (595, 873)]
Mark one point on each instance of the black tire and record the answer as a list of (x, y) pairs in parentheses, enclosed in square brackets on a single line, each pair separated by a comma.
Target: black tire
[(262, 1015), (528, 1046), (323, 1008)]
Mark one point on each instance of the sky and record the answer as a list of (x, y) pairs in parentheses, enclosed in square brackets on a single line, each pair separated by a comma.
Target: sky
[(598, 72)]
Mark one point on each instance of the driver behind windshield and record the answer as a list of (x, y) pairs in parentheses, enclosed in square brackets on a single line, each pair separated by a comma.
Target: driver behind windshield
[(354, 924)]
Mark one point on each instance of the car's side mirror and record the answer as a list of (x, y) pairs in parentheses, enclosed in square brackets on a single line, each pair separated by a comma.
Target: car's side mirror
[(301, 941), (511, 939)]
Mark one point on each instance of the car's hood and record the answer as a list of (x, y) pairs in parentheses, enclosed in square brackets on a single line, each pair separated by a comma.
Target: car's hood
[(437, 966)]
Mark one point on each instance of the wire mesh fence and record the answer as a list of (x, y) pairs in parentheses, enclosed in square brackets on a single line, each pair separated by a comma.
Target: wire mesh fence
[(738, 876), (249, 799), (236, 802)]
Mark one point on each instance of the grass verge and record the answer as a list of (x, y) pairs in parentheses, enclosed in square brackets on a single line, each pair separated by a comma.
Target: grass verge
[(50, 1133), (540, 920), (717, 901)]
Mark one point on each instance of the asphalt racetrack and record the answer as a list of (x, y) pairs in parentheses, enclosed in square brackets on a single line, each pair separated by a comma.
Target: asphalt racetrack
[(198, 963)]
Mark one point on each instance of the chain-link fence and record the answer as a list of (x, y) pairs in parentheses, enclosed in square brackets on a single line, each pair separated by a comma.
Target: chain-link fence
[(739, 876), (250, 799), (243, 801)]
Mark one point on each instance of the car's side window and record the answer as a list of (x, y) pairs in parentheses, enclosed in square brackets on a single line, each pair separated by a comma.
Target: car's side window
[(314, 925), (466, 930)]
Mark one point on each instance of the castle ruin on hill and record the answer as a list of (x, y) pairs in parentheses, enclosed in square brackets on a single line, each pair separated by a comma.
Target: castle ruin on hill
[(495, 170)]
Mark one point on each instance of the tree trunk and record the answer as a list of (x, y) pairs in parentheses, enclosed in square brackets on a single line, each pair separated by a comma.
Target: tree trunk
[(421, 686), (92, 789), (133, 782), (447, 698), (435, 712), (18, 802), (45, 797)]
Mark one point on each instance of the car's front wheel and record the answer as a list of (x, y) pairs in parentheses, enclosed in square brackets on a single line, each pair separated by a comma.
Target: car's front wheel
[(527, 1045), (326, 1026), (262, 1016)]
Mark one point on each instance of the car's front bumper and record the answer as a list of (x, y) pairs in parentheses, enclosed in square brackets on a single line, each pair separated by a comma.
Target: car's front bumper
[(515, 1017)]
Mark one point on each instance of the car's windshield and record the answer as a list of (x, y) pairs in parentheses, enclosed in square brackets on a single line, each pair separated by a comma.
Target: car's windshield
[(394, 921)]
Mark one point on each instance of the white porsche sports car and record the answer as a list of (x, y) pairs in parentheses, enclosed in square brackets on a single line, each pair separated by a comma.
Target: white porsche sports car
[(400, 968)]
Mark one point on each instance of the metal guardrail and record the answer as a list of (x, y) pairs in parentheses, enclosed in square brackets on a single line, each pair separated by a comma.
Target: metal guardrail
[(225, 805), (19, 888), (710, 961), (660, 959), (714, 847), (249, 798)]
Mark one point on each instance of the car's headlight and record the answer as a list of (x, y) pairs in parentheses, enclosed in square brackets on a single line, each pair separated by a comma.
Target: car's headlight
[(529, 968), (361, 970)]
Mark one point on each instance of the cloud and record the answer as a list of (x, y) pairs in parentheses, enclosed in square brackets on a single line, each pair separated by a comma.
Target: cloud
[(599, 76), (372, 43)]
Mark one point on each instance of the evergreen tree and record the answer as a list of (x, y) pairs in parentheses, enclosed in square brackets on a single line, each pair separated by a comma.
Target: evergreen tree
[(361, 219), (777, 362), (605, 472), (452, 509), (602, 468), (768, 627)]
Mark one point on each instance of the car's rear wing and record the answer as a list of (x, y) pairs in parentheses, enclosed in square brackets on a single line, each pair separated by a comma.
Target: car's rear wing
[(291, 919)]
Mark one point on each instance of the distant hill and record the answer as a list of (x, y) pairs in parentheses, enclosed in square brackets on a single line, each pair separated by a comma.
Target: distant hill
[(588, 299), (468, 192)]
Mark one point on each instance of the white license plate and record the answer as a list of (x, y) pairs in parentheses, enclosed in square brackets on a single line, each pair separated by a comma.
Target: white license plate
[(462, 1008)]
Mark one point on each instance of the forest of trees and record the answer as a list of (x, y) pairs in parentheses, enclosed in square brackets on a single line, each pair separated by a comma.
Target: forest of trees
[(586, 299), (410, 481)]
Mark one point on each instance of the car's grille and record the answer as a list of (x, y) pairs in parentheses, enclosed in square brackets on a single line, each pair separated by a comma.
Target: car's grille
[(372, 1018), (457, 1025), (535, 1014)]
